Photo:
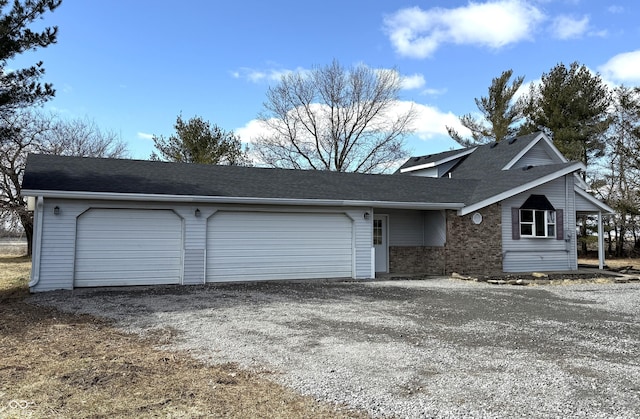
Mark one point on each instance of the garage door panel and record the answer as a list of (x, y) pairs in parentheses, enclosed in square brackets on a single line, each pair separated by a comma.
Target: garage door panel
[(262, 245), (128, 247), (111, 265), (302, 251)]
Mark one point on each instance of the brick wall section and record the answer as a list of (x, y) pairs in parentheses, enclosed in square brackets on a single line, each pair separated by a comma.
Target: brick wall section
[(474, 248), (416, 260)]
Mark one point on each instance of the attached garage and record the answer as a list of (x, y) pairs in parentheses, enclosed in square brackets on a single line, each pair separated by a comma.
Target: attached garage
[(256, 245), (128, 247)]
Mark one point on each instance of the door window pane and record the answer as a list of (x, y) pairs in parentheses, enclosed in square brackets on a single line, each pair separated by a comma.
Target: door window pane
[(377, 232)]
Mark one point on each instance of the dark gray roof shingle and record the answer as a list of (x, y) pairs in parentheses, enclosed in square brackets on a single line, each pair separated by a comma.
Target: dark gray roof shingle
[(79, 174), (486, 157), (476, 178)]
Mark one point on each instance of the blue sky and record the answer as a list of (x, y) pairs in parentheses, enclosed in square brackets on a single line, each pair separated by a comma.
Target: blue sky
[(134, 65)]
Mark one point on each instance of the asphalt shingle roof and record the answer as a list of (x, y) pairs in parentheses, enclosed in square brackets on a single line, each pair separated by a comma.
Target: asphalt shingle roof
[(492, 156), (476, 178), (431, 158), (79, 174)]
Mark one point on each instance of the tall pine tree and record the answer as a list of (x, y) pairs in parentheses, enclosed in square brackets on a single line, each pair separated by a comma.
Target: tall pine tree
[(21, 88), (500, 113), (571, 106)]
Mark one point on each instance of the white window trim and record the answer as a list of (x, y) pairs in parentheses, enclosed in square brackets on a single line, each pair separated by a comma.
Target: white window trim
[(547, 223)]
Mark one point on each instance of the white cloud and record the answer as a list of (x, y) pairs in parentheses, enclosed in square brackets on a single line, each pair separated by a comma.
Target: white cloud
[(145, 136), (433, 92), (415, 81), (432, 122), (623, 68), (251, 131), (419, 33), (615, 9), (257, 76), (429, 123), (567, 27)]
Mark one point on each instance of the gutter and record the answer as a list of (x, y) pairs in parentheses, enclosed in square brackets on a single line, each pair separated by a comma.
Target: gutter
[(240, 200)]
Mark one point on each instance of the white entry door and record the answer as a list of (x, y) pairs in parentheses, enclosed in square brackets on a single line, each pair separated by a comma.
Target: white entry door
[(380, 243)]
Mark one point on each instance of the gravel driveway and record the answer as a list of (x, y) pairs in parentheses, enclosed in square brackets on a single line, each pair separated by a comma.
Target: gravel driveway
[(431, 348)]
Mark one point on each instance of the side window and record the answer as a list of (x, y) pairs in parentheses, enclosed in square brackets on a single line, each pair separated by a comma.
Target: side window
[(537, 223), (377, 232)]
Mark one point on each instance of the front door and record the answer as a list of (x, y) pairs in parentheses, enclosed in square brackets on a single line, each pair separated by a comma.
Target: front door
[(380, 243)]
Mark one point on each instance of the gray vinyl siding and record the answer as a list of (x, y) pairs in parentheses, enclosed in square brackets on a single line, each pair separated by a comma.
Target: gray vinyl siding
[(428, 172), (416, 228), (542, 254), (363, 242), (194, 265), (445, 167), (582, 205), (57, 246), (435, 228), (537, 156)]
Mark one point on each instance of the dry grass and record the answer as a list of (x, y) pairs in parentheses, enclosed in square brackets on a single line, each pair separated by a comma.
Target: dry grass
[(613, 263), (54, 364)]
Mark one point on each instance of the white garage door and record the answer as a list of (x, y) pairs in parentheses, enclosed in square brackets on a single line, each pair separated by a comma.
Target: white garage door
[(250, 246), (128, 247)]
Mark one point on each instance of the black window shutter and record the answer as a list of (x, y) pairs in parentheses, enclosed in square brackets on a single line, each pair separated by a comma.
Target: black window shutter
[(515, 223), (559, 224)]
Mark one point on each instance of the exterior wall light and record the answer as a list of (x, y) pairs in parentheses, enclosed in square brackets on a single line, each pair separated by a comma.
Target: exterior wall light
[(367, 215), (197, 213), (56, 210)]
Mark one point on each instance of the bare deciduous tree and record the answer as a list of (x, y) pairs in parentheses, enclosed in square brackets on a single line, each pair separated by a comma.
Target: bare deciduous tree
[(32, 132), (331, 118)]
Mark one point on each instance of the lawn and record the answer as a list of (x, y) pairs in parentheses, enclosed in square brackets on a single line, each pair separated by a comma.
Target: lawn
[(60, 365)]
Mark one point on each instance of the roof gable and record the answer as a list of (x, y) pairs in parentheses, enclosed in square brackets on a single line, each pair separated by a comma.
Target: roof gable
[(539, 151), (473, 163)]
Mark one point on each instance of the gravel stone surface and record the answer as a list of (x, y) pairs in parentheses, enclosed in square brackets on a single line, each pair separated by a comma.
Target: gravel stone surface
[(415, 349)]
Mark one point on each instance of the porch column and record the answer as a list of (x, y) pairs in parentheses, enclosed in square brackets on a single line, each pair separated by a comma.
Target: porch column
[(600, 242)]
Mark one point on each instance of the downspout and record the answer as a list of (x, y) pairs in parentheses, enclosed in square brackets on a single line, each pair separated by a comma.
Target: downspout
[(38, 214)]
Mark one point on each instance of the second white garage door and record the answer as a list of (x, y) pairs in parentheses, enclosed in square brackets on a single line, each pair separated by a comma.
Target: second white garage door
[(250, 246)]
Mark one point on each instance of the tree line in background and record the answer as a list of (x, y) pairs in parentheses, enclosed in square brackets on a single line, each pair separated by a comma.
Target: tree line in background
[(588, 121)]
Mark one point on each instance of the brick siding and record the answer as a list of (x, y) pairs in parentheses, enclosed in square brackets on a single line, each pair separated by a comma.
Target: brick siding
[(474, 248), (416, 260), (470, 248)]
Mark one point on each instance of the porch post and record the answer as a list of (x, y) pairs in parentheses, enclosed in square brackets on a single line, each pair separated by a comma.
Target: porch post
[(600, 242)]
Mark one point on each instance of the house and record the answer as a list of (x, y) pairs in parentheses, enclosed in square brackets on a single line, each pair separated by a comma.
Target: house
[(508, 206)]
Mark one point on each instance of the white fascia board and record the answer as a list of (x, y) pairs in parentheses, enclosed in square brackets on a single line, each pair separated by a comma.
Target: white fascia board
[(522, 188), (532, 144), (112, 196), (439, 162), (580, 182), (593, 200)]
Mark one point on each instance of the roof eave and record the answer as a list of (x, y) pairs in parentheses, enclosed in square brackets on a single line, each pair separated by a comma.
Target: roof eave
[(438, 162), (114, 196), (522, 188), (593, 200)]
